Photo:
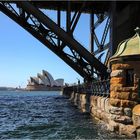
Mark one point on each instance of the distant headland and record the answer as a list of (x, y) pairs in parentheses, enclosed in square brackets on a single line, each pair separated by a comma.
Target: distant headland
[(10, 88)]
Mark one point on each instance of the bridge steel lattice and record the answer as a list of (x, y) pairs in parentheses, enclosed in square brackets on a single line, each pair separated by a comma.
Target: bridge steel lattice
[(87, 63)]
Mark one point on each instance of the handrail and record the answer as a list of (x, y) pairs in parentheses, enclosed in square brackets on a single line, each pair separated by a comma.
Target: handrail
[(97, 88)]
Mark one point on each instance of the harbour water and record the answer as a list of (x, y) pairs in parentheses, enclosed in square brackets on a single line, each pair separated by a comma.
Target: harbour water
[(46, 115)]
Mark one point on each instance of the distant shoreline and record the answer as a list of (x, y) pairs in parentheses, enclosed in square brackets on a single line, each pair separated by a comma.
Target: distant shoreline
[(11, 89), (25, 89)]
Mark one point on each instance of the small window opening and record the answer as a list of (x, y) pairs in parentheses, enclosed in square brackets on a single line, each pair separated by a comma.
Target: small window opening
[(129, 77)]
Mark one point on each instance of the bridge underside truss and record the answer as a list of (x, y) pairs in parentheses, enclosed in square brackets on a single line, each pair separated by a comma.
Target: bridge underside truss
[(52, 35)]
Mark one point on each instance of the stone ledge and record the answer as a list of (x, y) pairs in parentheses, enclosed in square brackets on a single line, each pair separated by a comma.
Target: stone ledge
[(127, 112), (117, 80), (93, 100), (120, 88), (127, 103), (115, 87), (115, 102), (113, 126), (128, 130), (116, 110), (121, 66), (117, 73), (122, 103), (72, 96), (121, 119), (124, 95)]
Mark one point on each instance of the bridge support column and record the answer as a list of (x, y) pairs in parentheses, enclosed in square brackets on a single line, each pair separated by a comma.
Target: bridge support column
[(59, 23), (122, 100), (92, 36), (124, 84)]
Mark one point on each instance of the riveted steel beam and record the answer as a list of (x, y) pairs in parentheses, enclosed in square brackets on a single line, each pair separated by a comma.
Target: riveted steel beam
[(23, 22), (59, 23), (83, 71), (72, 43), (92, 36), (53, 36), (68, 19)]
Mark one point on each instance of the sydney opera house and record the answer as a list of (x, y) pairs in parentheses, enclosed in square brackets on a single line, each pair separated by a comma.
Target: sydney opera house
[(44, 81)]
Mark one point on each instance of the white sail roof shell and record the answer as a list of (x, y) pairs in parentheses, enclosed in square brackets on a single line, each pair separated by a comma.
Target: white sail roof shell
[(34, 80), (50, 78), (46, 79), (60, 82), (43, 80)]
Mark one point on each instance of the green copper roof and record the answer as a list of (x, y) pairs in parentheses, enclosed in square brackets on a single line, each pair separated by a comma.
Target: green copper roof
[(129, 46)]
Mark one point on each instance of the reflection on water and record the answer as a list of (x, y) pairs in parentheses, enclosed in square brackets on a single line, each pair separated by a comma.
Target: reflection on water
[(45, 115)]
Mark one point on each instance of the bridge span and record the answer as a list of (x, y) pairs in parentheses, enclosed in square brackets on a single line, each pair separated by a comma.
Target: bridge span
[(119, 25), (115, 100)]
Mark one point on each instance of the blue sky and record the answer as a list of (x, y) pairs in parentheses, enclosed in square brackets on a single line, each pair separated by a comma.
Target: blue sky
[(22, 56)]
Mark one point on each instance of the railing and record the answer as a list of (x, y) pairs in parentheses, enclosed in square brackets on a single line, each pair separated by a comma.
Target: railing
[(101, 88), (97, 88)]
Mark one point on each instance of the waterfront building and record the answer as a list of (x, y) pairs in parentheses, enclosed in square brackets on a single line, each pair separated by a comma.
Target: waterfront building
[(44, 81)]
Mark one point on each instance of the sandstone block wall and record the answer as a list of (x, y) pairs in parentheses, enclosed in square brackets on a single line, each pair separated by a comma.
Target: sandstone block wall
[(123, 98), (99, 107), (117, 118), (116, 110), (81, 100)]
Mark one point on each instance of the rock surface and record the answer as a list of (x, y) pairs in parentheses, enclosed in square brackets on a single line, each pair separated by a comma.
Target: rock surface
[(117, 73), (128, 130)]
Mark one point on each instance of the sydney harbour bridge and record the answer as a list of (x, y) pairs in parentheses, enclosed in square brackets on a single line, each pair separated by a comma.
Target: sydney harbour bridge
[(119, 20)]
